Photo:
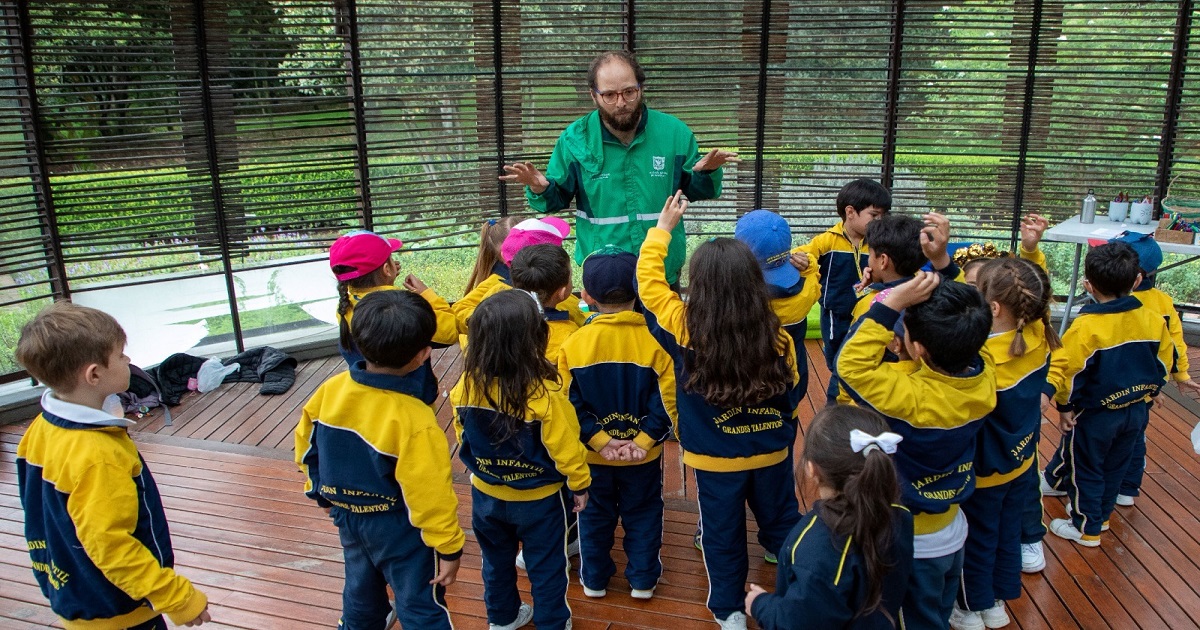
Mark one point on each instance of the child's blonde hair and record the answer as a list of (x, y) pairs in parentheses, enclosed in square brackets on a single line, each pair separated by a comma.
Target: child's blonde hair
[(491, 237), (63, 339), (1024, 289)]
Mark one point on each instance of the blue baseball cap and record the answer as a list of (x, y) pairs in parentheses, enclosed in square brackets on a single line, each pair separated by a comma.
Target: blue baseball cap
[(1150, 255), (770, 238), (609, 276)]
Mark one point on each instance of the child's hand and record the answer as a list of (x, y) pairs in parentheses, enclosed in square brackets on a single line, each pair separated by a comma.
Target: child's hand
[(934, 237), (580, 502), (672, 211), (632, 453), (526, 173), (1066, 420), (865, 282), (912, 292), (755, 591), (1046, 402), (414, 284), (200, 619), (612, 450), (799, 261), (447, 571), (1189, 384), (1033, 226)]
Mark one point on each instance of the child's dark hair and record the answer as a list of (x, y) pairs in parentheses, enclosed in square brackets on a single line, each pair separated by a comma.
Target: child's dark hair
[(862, 194), (899, 237), (391, 327), (506, 350), (866, 485), (541, 269), (374, 279), (63, 339), (952, 324), (1024, 289), (491, 237), (735, 336), (1112, 268)]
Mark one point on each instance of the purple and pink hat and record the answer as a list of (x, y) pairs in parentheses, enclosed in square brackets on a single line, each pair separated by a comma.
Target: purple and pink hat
[(547, 230), (362, 250)]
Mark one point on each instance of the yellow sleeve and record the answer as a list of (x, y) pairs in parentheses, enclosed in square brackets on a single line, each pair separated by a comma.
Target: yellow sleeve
[(1169, 355), (1175, 328), (820, 245), (456, 394), (1066, 362), (560, 435), (428, 489), (571, 306), (861, 367), (656, 294), (863, 305), (447, 321), (1036, 257), (665, 368), (812, 284), (467, 305), (104, 510)]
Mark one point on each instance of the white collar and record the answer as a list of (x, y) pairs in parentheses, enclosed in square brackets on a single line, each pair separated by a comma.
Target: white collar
[(106, 417)]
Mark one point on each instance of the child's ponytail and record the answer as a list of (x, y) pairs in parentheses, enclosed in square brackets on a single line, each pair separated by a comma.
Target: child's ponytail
[(374, 279), (343, 307), (491, 237), (1024, 289), (866, 485)]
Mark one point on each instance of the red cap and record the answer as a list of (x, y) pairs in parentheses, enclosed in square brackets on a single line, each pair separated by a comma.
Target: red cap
[(362, 250)]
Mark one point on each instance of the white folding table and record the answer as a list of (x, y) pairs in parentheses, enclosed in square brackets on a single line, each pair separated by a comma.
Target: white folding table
[(1072, 231)]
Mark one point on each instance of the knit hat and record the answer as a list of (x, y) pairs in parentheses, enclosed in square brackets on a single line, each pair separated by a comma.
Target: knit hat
[(363, 250), (770, 239), (547, 230)]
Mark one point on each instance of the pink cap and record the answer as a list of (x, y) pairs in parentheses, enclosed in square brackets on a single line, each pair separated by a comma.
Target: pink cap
[(547, 230), (363, 250)]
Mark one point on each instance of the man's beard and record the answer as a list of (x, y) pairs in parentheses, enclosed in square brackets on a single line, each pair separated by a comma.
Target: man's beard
[(622, 123)]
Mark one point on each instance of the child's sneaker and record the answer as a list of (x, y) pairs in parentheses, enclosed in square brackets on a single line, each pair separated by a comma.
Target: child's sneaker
[(1124, 500), (770, 558), (996, 616), (1064, 528), (1047, 491), (572, 550), (520, 560), (735, 621), (524, 616), (1103, 526), (698, 542), (1033, 558), (966, 619), (642, 593), (597, 593)]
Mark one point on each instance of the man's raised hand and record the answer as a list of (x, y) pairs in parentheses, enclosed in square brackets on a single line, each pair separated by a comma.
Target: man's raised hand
[(527, 174), (714, 160)]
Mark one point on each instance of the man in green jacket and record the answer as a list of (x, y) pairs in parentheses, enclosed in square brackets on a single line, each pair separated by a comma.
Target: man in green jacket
[(619, 163)]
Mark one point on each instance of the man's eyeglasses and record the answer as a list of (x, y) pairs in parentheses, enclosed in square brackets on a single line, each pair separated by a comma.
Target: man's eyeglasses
[(610, 98)]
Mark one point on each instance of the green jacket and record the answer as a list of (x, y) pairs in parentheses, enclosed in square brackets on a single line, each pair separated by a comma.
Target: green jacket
[(619, 190)]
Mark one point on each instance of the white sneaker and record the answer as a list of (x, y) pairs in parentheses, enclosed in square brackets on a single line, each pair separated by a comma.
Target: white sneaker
[(572, 550), (996, 616), (597, 593), (1064, 528), (1103, 526), (735, 621), (1047, 491), (1124, 500), (524, 616), (1033, 558), (966, 619), (639, 593)]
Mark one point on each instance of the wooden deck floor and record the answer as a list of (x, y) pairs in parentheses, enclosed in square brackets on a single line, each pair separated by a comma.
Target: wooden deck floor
[(269, 559)]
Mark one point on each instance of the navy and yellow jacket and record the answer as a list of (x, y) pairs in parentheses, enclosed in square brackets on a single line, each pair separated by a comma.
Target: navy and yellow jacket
[(622, 384), (366, 444), (1006, 445), (463, 308), (1161, 303), (534, 463), (792, 306), (937, 415), (714, 439), (821, 581), (841, 265), (1115, 354), (94, 523), (562, 320), (950, 272), (445, 334)]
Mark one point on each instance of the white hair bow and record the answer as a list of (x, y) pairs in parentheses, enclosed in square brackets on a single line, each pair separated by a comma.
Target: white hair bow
[(863, 442)]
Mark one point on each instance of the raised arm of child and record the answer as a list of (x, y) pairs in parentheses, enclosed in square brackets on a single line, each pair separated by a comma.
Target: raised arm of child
[(1033, 226)]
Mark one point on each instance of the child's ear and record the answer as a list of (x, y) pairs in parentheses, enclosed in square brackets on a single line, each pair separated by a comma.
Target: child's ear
[(995, 309), (560, 295), (90, 375), (810, 471), (849, 211), (885, 261), (1137, 282), (583, 294)]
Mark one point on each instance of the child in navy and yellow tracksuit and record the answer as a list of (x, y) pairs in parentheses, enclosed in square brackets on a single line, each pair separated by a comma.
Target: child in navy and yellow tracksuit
[(847, 563), (622, 384), (938, 408), (94, 521), (1149, 258), (792, 291), (841, 256), (376, 459), (519, 437), (1116, 356), (362, 262), (1019, 294), (737, 388)]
